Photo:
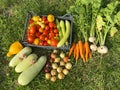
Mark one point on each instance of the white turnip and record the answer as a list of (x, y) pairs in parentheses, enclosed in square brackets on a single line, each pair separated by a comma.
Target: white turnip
[(93, 47), (102, 49), (92, 39)]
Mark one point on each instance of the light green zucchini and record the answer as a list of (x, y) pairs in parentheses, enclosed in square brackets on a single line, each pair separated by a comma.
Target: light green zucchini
[(30, 73), (59, 28), (26, 63), (66, 36), (19, 56), (62, 26)]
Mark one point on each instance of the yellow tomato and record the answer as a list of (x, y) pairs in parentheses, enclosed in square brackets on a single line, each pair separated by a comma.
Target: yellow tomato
[(36, 41), (50, 18)]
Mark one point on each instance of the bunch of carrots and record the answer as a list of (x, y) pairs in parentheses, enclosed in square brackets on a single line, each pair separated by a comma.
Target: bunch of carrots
[(80, 50)]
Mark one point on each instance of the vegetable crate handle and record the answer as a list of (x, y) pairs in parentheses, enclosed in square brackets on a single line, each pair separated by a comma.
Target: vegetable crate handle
[(67, 16)]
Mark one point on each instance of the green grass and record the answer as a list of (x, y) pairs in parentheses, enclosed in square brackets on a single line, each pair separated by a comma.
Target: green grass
[(100, 73)]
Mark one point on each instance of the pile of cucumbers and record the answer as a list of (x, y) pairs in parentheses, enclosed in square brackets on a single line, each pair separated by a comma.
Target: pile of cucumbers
[(27, 64)]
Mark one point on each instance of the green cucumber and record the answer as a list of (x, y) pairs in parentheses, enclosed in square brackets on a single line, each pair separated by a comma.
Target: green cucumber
[(66, 36), (26, 63), (19, 56), (29, 74), (62, 26), (59, 28)]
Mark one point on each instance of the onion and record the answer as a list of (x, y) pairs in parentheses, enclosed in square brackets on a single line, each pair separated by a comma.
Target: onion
[(59, 69), (102, 49), (62, 63), (51, 60), (57, 60), (93, 47), (53, 72), (47, 75), (47, 69), (65, 59), (65, 71), (68, 65), (54, 66), (53, 55), (61, 76), (55, 51), (92, 39), (53, 78), (62, 55)]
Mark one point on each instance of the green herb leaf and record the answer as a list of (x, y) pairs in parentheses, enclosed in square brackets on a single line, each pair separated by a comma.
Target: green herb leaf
[(113, 31)]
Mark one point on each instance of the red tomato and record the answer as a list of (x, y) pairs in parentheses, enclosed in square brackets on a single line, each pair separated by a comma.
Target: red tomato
[(56, 35), (56, 31), (40, 30), (45, 43), (31, 21), (51, 24), (30, 39), (44, 18), (51, 31), (42, 37), (54, 42), (37, 34), (55, 26), (32, 29), (38, 26), (46, 27), (29, 34), (51, 35), (41, 43), (46, 22), (46, 38), (45, 32)]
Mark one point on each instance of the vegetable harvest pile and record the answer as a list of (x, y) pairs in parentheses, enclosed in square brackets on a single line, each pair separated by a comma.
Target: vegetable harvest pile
[(94, 24)]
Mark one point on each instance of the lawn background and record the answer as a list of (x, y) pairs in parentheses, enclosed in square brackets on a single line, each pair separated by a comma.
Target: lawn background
[(98, 74)]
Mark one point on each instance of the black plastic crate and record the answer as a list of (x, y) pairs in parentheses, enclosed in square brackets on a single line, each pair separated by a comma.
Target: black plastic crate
[(64, 17)]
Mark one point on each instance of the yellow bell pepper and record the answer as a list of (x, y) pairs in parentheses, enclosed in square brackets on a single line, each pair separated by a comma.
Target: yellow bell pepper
[(14, 48)]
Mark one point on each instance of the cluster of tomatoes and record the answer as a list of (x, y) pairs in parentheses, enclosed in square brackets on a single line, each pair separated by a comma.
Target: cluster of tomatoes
[(43, 31)]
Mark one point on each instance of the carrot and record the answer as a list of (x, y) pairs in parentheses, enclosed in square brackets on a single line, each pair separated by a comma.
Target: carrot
[(71, 49), (81, 50), (74, 51), (87, 51), (77, 51)]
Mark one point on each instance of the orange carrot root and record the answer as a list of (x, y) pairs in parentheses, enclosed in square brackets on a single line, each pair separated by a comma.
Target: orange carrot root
[(74, 51), (81, 50), (77, 52), (87, 51), (71, 50)]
